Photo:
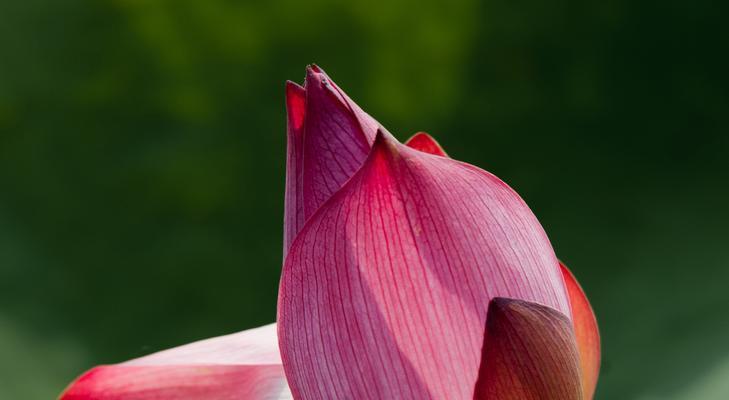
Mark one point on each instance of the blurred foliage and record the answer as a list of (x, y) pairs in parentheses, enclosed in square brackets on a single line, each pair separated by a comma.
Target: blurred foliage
[(142, 155)]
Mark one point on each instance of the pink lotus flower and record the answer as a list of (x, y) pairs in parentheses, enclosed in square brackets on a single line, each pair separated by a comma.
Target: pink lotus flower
[(407, 275)]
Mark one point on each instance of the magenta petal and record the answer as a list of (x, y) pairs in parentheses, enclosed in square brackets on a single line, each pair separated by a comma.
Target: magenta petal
[(384, 293), (244, 365), (529, 353), (337, 138), (329, 138)]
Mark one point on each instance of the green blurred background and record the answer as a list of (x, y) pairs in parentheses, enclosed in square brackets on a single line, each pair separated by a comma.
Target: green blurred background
[(142, 163)]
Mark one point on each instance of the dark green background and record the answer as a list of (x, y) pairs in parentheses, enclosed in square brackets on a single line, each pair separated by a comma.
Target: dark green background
[(142, 156)]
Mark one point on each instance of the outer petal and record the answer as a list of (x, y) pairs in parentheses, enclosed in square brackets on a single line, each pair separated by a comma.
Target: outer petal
[(244, 365), (384, 292), (529, 353), (424, 142), (329, 138), (585, 323), (588, 335)]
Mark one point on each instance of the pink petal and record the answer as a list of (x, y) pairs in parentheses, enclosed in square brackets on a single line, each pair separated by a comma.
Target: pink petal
[(385, 290), (586, 331), (329, 138), (244, 365), (424, 142), (529, 353)]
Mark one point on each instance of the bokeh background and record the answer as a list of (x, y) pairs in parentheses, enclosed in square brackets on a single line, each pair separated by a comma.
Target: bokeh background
[(142, 163)]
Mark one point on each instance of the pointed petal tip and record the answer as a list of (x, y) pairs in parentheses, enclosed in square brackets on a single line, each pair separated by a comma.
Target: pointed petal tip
[(315, 76), (424, 142), (293, 87), (500, 304), (314, 68), (505, 306), (380, 138), (385, 144), (317, 84)]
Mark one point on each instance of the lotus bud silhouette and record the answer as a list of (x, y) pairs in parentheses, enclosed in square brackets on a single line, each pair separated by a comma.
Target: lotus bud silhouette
[(406, 275)]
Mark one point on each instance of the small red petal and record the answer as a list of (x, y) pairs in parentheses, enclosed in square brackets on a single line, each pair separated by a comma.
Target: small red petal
[(295, 106), (424, 142)]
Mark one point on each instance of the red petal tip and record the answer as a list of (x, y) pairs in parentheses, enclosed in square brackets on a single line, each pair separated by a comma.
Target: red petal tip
[(295, 106), (292, 86), (423, 142)]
